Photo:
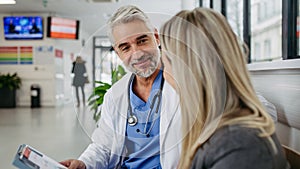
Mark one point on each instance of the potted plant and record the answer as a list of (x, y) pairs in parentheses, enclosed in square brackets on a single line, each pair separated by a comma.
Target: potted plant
[(8, 86), (96, 99)]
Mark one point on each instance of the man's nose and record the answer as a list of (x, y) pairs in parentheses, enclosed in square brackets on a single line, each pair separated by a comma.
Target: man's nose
[(136, 51), (134, 47)]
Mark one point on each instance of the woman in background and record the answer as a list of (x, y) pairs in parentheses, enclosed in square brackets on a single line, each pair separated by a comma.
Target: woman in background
[(80, 78), (224, 124)]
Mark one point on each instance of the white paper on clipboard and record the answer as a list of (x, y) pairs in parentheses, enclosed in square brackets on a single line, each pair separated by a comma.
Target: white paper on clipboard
[(37, 160)]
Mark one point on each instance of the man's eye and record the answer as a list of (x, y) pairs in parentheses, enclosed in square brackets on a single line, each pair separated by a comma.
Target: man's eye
[(124, 49), (142, 41)]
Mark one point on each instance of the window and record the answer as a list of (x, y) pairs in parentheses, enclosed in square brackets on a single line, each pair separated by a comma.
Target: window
[(271, 8), (267, 49), (206, 3), (266, 9), (217, 6), (266, 24), (257, 55), (235, 16), (262, 10), (257, 9), (105, 59), (259, 24)]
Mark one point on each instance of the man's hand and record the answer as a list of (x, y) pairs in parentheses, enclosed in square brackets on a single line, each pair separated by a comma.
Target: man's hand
[(73, 164)]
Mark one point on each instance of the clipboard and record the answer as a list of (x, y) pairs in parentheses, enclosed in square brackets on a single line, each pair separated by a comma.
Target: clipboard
[(29, 158)]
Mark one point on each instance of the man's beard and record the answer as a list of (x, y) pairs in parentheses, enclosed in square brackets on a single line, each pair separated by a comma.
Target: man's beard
[(154, 61)]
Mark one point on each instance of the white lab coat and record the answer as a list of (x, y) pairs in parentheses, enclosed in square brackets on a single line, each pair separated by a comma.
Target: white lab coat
[(108, 150)]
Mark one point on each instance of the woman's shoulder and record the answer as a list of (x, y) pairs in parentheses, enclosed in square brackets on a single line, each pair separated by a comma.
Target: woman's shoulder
[(236, 136), (232, 138), (242, 147)]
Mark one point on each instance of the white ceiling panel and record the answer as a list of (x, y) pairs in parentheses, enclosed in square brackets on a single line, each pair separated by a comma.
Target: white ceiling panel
[(91, 13)]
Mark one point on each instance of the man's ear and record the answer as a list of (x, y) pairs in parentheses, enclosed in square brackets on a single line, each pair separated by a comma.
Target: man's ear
[(114, 49), (156, 37)]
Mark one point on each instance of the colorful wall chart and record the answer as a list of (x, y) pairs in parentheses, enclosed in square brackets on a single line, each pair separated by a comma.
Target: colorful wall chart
[(26, 55), (16, 55), (9, 55)]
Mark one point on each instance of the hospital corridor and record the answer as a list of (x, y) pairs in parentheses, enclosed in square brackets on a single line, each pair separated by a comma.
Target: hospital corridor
[(58, 132), (140, 84)]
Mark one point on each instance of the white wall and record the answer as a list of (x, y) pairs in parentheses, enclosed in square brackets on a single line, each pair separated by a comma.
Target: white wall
[(55, 84), (43, 75), (279, 82)]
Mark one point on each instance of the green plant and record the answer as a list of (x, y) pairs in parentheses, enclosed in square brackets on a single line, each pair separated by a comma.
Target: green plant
[(96, 98), (10, 81)]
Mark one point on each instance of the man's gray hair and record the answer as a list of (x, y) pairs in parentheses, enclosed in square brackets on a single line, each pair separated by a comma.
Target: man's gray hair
[(127, 14)]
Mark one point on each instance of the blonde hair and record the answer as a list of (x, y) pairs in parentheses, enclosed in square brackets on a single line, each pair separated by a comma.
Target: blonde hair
[(212, 79), (79, 59), (127, 14)]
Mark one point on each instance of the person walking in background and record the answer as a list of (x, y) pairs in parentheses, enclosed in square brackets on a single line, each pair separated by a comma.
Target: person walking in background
[(224, 125), (80, 78)]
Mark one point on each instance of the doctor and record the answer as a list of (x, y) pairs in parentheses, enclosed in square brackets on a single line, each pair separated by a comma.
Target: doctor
[(140, 124), (138, 127)]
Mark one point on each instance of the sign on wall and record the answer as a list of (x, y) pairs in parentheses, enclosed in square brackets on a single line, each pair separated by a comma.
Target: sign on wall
[(26, 55), (44, 55), (16, 55)]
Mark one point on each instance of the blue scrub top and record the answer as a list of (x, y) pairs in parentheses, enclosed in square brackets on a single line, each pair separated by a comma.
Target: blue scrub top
[(144, 150)]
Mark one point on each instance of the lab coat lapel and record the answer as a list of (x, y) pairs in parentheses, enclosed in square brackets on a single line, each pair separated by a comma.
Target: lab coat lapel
[(170, 107)]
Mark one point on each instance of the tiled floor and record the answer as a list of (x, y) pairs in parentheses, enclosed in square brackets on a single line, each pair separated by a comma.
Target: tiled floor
[(59, 132)]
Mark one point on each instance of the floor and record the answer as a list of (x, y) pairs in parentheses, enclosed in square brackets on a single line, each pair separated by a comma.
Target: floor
[(59, 132)]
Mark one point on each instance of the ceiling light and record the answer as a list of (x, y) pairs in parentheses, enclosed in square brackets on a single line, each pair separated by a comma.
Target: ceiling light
[(7, 1)]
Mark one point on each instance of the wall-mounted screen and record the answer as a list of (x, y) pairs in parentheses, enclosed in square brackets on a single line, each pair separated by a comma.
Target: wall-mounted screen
[(62, 28), (23, 27)]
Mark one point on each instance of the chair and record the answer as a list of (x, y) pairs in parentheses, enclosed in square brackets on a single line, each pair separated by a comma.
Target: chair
[(292, 156)]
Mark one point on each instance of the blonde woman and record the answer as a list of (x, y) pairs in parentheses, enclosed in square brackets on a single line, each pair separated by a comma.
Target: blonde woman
[(224, 124), (80, 78)]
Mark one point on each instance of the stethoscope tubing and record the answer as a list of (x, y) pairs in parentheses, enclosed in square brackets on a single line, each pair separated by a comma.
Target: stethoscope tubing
[(132, 119)]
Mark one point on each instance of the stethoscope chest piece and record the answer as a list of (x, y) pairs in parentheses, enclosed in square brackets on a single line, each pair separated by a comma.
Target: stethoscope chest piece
[(132, 120)]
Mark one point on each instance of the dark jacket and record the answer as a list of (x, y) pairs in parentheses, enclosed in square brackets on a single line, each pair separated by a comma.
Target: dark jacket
[(236, 147), (79, 70)]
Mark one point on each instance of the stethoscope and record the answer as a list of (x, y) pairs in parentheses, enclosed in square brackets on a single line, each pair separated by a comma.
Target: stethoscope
[(132, 119)]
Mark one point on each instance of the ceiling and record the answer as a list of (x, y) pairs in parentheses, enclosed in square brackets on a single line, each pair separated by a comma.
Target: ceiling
[(91, 13)]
